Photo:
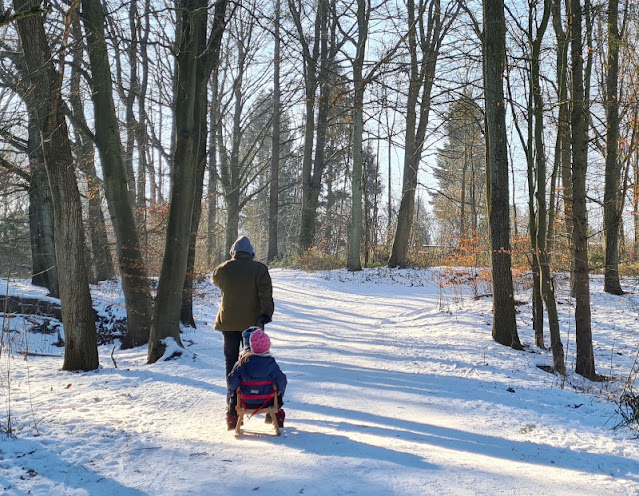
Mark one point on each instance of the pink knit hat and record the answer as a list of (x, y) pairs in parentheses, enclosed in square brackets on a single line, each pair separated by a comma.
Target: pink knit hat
[(260, 342)]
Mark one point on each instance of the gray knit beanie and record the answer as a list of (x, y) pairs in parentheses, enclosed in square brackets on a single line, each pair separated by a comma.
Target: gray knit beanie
[(242, 244)]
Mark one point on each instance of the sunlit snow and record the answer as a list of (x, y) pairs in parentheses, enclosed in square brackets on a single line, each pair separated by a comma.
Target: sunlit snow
[(395, 388)]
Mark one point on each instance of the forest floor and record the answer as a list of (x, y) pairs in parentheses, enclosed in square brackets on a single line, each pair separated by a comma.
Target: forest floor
[(395, 388)]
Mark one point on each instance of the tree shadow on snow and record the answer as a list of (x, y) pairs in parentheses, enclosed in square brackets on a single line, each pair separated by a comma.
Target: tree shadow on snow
[(331, 444), (426, 386), (44, 469), (457, 440)]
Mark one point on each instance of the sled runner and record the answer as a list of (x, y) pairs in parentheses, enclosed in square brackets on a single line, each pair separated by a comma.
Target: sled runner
[(258, 397)]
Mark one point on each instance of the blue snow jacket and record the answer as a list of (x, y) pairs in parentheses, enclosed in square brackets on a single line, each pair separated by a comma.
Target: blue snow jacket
[(258, 367)]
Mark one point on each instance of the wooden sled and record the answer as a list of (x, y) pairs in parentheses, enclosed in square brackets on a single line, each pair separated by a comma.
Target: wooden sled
[(242, 408)]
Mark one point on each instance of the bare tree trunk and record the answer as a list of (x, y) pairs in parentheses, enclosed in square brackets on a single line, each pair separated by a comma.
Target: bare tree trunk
[(389, 220), (422, 78), (135, 284), (41, 226), (399, 250), (201, 108), (612, 215), (81, 352), (310, 190), (102, 260), (585, 358), (193, 69), (532, 178), (563, 145), (354, 255), (463, 226), (635, 203), (231, 165), (168, 302), (275, 147), (213, 177), (494, 46), (546, 285), (533, 229), (141, 134), (44, 267)]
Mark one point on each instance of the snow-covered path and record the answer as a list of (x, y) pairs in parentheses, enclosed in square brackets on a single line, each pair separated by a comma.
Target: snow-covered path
[(392, 390)]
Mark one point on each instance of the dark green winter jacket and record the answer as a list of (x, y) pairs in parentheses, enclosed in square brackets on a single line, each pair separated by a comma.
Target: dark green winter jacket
[(247, 293)]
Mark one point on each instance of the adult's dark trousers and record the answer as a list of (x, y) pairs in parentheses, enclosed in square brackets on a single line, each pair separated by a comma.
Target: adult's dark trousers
[(232, 344)]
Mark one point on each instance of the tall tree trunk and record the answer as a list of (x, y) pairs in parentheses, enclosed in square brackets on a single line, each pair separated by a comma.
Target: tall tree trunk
[(585, 358), (201, 109), (41, 226), (213, 177), (193, 69), (422, 78), (233, 174), (389, 202), (232, 220), (135, 284), (533, 229), (129, 100), (141, 134), (399, 250), (494, 46), (612, 215), (354, 258), (275, 144), (563, 145), (44, 269), (546, 285), (529, 147), (142, 138), (81, 352), (102, 261), (635, 203), (310, 189), (463, 226), (168, 302)]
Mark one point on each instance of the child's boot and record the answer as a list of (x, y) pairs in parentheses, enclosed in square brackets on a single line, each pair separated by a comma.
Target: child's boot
[(280, 416), (231, 421)]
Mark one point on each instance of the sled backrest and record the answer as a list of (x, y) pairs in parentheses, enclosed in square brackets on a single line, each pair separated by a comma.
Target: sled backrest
[(257, 397)]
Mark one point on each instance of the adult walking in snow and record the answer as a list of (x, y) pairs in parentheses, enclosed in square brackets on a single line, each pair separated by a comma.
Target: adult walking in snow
[(247, 297)]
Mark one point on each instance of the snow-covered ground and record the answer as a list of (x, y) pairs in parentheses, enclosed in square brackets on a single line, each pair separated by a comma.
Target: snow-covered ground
[(395, 388)]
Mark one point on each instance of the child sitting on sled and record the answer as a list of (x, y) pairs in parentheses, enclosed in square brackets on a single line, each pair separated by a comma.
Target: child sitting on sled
[(255, 364)]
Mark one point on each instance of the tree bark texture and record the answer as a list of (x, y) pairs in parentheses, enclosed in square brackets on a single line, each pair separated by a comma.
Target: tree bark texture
[(135, 283), (422, 78), (563, 144), (533, 217), (579, 123), (168, 302), (193, 70), (102, 262), (354, 251), (274, 186), (612, 214), (212, 241), (546, 286), (81, 351), (231, 178), (141, 132), (41, 224), (207, 63), (494, 45), (311, 184), (201, 109)]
